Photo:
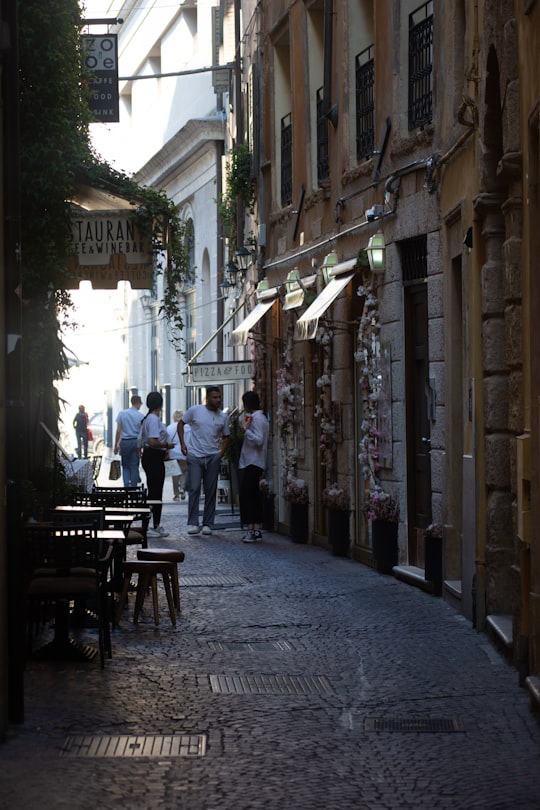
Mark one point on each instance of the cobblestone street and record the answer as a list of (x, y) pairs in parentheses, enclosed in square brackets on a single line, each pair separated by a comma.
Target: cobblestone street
[(294, 680)]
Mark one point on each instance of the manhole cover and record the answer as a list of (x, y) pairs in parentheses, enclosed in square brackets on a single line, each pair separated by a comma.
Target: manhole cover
[(137, 745), (250, 646), (419, 724), (269, 684), (223, 579)]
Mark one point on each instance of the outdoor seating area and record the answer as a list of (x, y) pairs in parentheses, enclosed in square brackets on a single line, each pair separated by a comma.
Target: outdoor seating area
[(78, 575)]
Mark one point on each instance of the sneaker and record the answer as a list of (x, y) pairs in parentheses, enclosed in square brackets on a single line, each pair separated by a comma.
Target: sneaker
[(182, 495), (206, 530), (193, 530), (257, 535), (161, 531), (152, 533), (248, 537)]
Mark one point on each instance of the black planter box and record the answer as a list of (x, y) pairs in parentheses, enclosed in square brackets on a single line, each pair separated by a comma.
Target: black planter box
[(298, 522), (384, 539), (338, 532)]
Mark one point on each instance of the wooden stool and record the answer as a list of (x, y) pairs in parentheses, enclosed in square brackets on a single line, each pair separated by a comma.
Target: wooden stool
[(147, 571), (170, 555)]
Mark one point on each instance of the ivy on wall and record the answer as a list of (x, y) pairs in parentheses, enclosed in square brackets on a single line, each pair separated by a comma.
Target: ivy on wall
[(56, 155)]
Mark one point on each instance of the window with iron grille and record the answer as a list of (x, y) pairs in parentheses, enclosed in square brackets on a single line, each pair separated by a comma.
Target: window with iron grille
[(286, 160), (365, 103), (413, 259), (323, 169), (421, 66)]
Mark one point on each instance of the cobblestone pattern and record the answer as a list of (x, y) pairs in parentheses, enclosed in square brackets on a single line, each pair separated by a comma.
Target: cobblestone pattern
[(388, 651)]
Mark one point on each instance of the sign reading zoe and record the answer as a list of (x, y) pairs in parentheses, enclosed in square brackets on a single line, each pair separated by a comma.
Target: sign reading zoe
[(100, 60)]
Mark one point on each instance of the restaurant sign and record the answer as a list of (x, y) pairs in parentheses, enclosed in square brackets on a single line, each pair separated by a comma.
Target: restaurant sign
[(107, 248), (204, 374), (100, 59)]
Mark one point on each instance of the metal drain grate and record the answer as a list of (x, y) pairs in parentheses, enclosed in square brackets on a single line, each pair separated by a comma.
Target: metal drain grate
[(419, 724), (250, 646), (269, 684), (223, 579), (138, 745)]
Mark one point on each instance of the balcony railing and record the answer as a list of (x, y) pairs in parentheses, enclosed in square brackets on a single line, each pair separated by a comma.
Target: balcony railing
[(323, 168), (286, 160), (421, 66), (365, 103)]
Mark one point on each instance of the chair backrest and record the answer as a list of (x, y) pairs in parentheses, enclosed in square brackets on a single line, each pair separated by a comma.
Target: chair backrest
[(75, 517), (100, 499), (60, 548), (96, 467), (133, 495)]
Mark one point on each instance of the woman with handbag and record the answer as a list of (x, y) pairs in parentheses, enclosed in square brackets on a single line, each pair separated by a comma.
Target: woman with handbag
[(155, 444)]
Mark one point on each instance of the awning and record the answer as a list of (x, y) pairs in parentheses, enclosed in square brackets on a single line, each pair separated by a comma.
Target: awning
[(240, 334), (306, 325)]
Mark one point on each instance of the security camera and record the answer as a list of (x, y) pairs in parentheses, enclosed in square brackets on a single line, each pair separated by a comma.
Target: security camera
[(370, 214), (374, 213)]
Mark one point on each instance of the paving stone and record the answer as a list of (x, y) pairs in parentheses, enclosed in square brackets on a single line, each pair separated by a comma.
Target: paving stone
[(279, 612)]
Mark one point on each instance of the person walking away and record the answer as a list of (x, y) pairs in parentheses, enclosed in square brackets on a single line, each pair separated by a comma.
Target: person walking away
[(251, 466), (155, 445), (178, 481), (80, 423), (128, 424), (209, 439)]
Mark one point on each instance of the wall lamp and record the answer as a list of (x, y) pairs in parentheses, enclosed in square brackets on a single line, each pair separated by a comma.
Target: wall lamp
[(375, 252), (236, 269), (146, 302)]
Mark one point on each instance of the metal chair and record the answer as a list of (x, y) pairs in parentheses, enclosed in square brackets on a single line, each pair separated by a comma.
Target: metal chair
[(64, 564)]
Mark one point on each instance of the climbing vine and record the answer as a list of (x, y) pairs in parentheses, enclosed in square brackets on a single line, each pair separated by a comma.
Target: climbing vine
[(238, 186)]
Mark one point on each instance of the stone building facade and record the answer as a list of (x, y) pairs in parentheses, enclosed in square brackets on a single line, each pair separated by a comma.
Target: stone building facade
[(415, 123)]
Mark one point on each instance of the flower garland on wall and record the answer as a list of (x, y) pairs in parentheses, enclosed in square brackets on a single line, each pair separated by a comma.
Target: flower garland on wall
[(289, 401), (322, 410), (367, 355)]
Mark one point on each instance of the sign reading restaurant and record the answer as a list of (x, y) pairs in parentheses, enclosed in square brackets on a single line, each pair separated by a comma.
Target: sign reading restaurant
[(204, 374), (107, 248)]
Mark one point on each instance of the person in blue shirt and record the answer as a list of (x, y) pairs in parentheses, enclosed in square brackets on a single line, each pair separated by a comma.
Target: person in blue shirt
[(128, 424)]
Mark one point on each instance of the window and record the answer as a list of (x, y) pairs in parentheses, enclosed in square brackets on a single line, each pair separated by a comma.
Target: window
[(286, 160), (365, 103), (421, 66), (323, 169)]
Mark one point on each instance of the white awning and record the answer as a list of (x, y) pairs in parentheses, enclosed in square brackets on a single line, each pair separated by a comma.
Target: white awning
[(240, 334), (306, 325)]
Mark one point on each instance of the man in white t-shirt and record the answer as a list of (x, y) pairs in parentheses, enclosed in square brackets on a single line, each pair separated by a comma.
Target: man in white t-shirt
[(128, 424), (209, 439)]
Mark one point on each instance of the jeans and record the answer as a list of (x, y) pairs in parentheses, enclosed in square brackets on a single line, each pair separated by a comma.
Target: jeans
[(82, 443), (202, 470), (130, 462)]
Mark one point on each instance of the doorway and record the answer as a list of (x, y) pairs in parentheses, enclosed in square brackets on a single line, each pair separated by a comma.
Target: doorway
[(419, 404)]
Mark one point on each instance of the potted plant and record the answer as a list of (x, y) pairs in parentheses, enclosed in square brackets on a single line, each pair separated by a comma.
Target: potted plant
[(383, 511), (433, 567), (337, 501), (296, 493)]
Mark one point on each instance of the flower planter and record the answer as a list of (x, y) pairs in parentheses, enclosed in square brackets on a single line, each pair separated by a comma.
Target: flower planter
[(338, 532), (268, 513), (433, 559), (298, 522), (384, 542)]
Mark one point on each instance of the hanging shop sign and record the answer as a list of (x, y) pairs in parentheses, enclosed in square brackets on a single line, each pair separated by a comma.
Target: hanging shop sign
[(107, 248), (100, 60), (203, 374)]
